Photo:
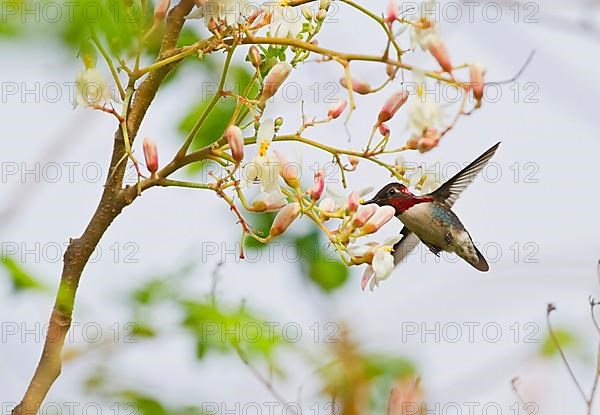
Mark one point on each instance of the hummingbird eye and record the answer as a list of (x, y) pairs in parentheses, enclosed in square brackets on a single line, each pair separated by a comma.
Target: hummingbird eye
[(392, 191)]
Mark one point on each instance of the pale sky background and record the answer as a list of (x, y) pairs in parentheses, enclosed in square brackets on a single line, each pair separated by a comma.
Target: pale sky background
[(555, 139)]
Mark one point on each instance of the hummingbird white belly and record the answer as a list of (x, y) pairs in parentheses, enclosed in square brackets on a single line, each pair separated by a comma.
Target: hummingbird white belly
[(440, 229), (429, 227)]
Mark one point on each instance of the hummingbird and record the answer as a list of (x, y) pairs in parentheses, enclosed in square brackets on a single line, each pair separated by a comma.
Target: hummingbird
[(429, 218)]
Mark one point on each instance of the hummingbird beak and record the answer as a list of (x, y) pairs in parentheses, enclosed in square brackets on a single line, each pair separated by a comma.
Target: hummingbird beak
[(368, 202)]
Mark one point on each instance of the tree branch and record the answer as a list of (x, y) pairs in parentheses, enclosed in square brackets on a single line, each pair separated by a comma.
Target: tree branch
[(112, 202)]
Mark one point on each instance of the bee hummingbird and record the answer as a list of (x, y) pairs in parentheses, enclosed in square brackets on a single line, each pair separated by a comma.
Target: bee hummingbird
[(429, 218)]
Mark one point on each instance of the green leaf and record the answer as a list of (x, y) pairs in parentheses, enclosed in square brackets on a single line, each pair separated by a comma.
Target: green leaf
[(144, 404), (117, 22), (11, 26), (218, 329), (215, 123), (152, 292), (565, 338), (213, 126), (383, 365), (142, 330), (320, 264), (261, 222), (187, 37), (21, 279)]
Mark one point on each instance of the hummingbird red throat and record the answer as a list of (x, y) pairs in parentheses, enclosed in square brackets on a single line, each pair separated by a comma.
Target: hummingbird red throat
[(429, 218)]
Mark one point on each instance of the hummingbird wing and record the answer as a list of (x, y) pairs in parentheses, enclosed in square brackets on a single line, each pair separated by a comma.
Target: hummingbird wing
[(449, 192), (404, 246)]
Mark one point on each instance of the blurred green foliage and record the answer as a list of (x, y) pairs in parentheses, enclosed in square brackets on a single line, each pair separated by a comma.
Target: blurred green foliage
[(142, 404), (320, 265), (20, 278), (218, 328), (262, 223), (361, 380), (565, 338), (239, 77), (118, 22)]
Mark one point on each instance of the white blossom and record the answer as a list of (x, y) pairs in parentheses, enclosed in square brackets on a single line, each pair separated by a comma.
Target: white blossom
[(92, 89), (424, 180), (228, 12), (383, 264), (269, 202), (382, 261), (423, 26), (264, 167), (423, 113), (286, 22)]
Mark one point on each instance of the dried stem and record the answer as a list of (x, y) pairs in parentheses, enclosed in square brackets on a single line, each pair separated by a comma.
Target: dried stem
[(261, 378), (551, 308)]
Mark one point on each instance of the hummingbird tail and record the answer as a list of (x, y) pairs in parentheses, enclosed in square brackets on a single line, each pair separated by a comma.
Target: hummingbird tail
[(479, 263)]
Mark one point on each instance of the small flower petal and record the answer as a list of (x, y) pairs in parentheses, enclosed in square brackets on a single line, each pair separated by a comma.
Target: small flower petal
[(284, 218), (382, 216), (383, 264)]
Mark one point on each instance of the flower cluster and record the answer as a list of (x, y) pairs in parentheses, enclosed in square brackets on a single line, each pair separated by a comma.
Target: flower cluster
[(277, 38)]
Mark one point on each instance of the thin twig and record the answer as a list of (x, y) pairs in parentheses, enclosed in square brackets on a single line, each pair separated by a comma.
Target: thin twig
[(550, 309), (593, 304), (261, 378), (515, 387), (215, 99), (590, 401)]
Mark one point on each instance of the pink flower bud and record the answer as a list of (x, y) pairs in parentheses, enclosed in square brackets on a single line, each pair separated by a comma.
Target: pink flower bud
[(160, 9), (254, 56), (404, 395), (391, 106), (392, 11), (284, 219), (307, 13), (151, 155), (318, 186), (412, 142), (439, 52), (391, 70), (321, 15), (430, 140), (477, 73), (353, 199), (335, 110), (363, 215), (324, 4), (426, 144), (254, 15), (327, 205), (381, 216), (289, 171), (358, 85), (274, 79), (384, 130), (353, 161), (235, 139)]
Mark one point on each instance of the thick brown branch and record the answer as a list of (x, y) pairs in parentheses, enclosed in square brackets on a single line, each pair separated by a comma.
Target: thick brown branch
[(111, 204)]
